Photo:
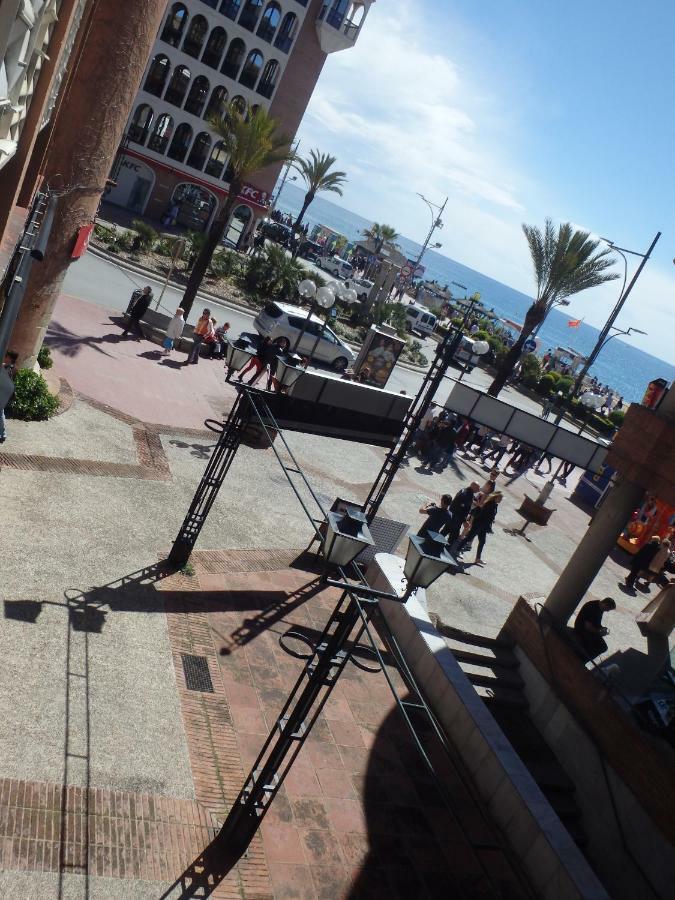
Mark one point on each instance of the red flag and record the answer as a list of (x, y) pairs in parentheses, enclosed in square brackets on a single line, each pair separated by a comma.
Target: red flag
[(574, 323)]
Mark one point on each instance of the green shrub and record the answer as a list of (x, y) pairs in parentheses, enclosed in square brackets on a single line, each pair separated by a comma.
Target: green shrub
[(146, 233), (530, 370), (546, 384), (103, 233), (481, 335), (225, 264), (496, 344), (565, 384), (273, 274), (45, 357), (457, 321), (32, 400), (616, 417), (164, 247)]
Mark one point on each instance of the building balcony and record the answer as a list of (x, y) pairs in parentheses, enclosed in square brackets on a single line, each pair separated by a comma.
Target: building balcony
[(340, 22)]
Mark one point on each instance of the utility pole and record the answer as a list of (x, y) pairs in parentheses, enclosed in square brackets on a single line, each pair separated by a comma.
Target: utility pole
[(435, 223)]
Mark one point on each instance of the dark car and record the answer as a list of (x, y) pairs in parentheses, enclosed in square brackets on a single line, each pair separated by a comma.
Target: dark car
[(309, 250), (275, 231)]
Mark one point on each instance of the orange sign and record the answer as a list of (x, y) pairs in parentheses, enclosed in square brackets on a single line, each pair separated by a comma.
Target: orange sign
[(82, 241)]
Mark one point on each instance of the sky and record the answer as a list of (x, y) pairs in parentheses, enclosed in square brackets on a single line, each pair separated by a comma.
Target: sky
[(516, 112)]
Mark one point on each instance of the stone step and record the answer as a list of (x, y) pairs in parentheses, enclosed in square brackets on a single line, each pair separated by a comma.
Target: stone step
[(492, 676), (472, 638), (501, 697), (481, 655)]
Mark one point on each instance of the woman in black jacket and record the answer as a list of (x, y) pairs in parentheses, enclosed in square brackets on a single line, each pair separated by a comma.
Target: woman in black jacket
[(481, 525)]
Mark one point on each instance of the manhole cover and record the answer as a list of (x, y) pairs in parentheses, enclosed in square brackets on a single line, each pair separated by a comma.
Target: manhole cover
[(197, 675)]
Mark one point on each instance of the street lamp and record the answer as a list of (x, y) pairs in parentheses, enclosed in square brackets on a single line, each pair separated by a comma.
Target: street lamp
[(428, 557), (289, 369), (237, 354), (436, 222), (347, 534), (478, 348)]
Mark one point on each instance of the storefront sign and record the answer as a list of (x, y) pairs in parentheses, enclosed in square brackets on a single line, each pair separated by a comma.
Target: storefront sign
[(254, 195)]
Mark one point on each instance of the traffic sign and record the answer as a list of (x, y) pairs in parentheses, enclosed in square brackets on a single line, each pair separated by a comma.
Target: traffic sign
[(406, 271), (530, 345)]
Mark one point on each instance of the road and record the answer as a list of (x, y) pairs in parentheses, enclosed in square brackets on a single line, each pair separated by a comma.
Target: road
[(109, 285)]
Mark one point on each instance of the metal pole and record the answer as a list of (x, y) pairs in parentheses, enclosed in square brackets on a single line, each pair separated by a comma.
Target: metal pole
[(434, 225), (304, 327), (289, 165)]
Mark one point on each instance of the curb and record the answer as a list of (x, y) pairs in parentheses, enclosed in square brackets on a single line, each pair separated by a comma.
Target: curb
[(212, 298)]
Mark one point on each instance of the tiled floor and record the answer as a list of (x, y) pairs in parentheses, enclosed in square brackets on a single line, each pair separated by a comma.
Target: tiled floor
[(358, 815)]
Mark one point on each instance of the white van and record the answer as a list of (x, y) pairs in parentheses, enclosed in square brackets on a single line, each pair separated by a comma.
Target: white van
[(419, 319), (336, 266)]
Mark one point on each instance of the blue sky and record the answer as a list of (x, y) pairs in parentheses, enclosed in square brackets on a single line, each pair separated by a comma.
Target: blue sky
[(515, 111)]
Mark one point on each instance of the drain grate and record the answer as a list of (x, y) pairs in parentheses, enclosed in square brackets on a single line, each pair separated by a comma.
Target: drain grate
[(197, 675)]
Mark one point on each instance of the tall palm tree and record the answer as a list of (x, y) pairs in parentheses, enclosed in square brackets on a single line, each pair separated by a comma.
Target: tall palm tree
[(252, 143), (564, 264), (318, 177), (381, 235)]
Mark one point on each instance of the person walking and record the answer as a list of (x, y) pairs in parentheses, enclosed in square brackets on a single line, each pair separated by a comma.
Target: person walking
[(481, 525), (641, 560), (460, 507), (202, 328), (137, 309), (657, 562), (439, 518), (136, 294), (9, 365), (174, 330), (259, 361)]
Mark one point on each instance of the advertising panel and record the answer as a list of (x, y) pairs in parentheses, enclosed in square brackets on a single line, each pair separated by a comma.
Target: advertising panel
[(378, 356)]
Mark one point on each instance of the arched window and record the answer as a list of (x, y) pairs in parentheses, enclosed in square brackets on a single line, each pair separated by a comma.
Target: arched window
[(250, 14), (195, 37), (230, 8), (140, 124), (238, 225), (233, 58), (252, 110), (195, 206), (252, 69), (269, 78), (180, 143), (175, 92), (239, 104), (212, 3), (200, 150), (217, 160), (197, 96), (269, 22), (174, 25), (217, 105), (161, 134), (287, 32), (157, 75), (215, 47)]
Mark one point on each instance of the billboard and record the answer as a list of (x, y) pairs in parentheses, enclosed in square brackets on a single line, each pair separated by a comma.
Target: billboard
[(378, 356)]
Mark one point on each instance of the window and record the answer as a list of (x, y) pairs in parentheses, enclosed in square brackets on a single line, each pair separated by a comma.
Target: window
[(269, 79), (157, 75), (194, 39), (252, 69), (269, 22), (215, 47), (180, 143), (217, 105), (195, 206), (197, 96), (239, 104), (230, 8), (287, 32), (233, 58), (174, 26), (175, 92), (161, 134), (140, 124), (212, 3), (217, 159), (200, 151), (250, 13)]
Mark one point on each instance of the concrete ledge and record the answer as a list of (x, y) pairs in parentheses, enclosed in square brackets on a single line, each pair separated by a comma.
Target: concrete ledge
[(555, 865)]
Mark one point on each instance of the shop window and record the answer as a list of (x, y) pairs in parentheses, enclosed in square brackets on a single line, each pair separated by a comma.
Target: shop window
[(182, 138), (238, 225), (197, 97), (140, 124), (178, 85), (157, 75), (252, 68), (200, 151), (161, 134), (195, 206), (215, 47)]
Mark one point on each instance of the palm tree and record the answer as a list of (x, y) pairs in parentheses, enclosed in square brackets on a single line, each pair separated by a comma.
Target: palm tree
[(381, 235), (318, 177), (252, 143), (564, 264)]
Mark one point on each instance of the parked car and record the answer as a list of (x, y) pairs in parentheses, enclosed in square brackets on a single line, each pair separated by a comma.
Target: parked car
[(275, 231), (362, 286), (284, 323), (310, 250), (419, 319), (336, 266)]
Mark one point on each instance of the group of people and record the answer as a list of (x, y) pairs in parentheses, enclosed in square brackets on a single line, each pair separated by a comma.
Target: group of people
[(469, 514)]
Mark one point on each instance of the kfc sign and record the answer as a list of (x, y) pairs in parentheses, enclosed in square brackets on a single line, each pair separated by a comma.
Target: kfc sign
[(254, 195)]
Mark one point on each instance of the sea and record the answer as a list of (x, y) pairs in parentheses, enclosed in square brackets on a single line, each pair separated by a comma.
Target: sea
[(624, 368)]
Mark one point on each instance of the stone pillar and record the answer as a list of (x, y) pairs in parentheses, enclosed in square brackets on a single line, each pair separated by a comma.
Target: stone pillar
[(643, 451), (13, 172), (87, 131)]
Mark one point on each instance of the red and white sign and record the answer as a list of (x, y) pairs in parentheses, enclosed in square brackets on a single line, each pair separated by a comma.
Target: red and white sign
[(406, 271), (82, 241), (254, 195)]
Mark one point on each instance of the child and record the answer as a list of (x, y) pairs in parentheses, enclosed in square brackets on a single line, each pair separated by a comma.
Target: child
[(173, 332)]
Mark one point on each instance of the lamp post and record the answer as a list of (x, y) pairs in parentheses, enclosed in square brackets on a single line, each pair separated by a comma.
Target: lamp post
[(436, 222), (479, 348), (289, 166), (323, 297)]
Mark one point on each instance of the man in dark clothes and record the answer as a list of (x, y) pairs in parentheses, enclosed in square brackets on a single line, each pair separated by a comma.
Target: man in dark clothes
[(439, 518), (137, 311), (642, 558), (461, 507), (588, 626)]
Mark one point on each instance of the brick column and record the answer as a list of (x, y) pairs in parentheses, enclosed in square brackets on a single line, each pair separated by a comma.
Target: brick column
[(87, 131), (642, 453)]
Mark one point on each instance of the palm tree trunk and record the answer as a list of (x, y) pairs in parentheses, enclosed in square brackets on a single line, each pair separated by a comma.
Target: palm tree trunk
[(534, 316), (215, 236), (309, 196)]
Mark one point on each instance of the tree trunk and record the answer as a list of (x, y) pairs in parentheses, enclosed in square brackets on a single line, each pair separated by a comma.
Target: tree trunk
[(309, 196), (85, 136), (534, 316), (215, 236)]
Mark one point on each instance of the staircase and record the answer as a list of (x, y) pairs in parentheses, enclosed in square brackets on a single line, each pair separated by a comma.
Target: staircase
[(492, 667)]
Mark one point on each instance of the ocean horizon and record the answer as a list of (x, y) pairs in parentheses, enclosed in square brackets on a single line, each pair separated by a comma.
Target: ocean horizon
[(626, 369)]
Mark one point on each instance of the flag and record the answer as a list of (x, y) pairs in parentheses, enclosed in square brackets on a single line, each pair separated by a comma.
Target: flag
[(574, 323)]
